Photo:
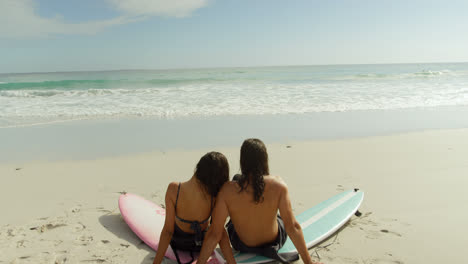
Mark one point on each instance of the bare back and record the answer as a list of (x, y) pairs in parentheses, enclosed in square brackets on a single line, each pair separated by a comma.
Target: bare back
[(255, 223), (192, 205)]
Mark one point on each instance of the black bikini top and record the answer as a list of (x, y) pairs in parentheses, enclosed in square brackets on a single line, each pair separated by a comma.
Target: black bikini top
[(194, 225)]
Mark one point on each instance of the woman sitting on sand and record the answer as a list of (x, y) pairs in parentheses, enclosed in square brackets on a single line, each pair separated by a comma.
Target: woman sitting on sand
[(189, 205)]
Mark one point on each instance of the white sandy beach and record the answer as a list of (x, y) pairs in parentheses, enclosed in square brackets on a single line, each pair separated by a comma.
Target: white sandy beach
[(414, 208), (101, 98)]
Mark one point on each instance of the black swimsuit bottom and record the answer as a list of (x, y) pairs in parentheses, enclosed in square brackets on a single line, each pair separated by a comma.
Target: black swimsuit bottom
[(182, 240), (269, 250)]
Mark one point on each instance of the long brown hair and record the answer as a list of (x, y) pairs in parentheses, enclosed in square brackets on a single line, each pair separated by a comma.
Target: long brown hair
[(212, 172), (254, 165)]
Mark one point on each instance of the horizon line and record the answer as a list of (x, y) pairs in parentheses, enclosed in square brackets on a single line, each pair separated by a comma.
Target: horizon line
[(233, 67)]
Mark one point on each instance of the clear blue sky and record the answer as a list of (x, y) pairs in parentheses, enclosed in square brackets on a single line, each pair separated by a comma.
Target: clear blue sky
[(57, 35)]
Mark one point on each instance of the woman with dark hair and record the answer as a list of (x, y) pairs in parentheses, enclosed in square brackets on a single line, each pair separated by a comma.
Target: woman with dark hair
[(252, 201), (189, 205)]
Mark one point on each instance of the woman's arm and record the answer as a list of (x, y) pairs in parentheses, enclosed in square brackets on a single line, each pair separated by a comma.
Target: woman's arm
[(215, 233), (293, 228), (168, 229), (226, 248)]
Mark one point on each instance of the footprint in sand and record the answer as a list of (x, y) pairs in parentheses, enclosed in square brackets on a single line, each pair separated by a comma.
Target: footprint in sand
[(363, 220), (76, 209), (21, 244), (371, 228), (373, 234), (12, 232), (43, 257), (386, 231), (103, 210), (95, 259), (61, 260), (79, 227), (46, 227), (84, 240)]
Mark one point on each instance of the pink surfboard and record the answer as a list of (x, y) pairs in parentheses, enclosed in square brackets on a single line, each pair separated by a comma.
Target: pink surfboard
[(146, 220)]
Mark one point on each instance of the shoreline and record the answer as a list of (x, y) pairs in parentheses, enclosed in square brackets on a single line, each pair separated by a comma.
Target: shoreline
[(96, 139), (66, 211)]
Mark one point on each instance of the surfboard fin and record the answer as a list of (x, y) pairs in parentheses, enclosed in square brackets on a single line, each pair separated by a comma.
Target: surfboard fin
[(357, 213)]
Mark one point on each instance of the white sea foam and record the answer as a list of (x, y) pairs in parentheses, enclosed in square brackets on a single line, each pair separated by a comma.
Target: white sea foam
[(259, 91)]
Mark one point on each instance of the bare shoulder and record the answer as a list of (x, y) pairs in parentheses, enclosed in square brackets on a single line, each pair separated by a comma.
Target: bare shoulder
[(173, 186), (276, 182), (228, 188), (171, 191)]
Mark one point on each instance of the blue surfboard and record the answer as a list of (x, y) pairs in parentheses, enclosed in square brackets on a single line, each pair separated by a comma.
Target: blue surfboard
[(318, 223)]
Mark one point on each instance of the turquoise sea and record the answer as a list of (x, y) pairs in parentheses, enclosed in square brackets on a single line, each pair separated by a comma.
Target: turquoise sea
[(39, 98), (86, 115)]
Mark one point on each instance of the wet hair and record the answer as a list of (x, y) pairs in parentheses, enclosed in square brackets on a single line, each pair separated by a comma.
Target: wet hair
[(254, 165), (212, 171)]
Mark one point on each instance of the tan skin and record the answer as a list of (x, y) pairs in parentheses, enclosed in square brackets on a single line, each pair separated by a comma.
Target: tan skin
[(255, 223), (194, 204)]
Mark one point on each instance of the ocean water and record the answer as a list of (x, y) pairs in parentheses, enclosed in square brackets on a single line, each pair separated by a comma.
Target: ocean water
[(39, 98)]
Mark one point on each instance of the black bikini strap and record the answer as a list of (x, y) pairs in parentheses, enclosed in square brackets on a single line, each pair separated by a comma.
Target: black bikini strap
[(211, 211), (191, 222), (177, 198)]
